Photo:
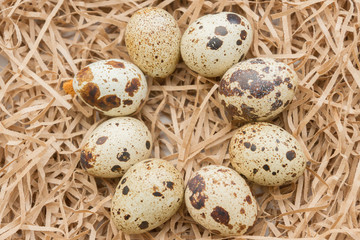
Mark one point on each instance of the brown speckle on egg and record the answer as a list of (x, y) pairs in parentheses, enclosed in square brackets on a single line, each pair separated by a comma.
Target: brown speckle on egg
[(214, 43), (127, 102), (125, 190), (221, 30), (290, 155), (123, 156), (101, 140), (132, 86), (84, 75), (86, 159), (220, 215), (233, 18), (197, 186), (144, 225), (115, 64), (115, 168)]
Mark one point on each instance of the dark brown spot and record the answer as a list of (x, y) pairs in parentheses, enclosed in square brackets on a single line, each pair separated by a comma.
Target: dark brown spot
[(197, 186), (278, 81), (115, 80), (293, 175), (86, 159), (274, 173), (124, 156), (290, 155), (290, 85), (127, 216), (227, 91), (101, 140), (276, 149), (243, 34), (278, 94), (84, 75), (266, 69), (220, 30), (202, 215), (220, 215), (262, 149), (115, 64), (90, 93), (247, 113), (169, 185), (143, 225), (125, 190), (247, 144), (239, 42), (248, 199), (257, 61), (233, 18), (278, 103), (201, 27), (127, 102), (266, 167), (157, 194), (255, 171), (115, 168), (132, 86), (242, 210), (222, 170), (123, 181), (214, 43), (287, 103), (253, 147), (148, 145), (251, 80)]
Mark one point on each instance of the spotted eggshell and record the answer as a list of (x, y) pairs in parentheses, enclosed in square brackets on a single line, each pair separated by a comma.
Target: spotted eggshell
[(148, 195), (215, 42), (114, 87), (257, 89), (152, 39), (219, 199), (114, 146), (266, 154)]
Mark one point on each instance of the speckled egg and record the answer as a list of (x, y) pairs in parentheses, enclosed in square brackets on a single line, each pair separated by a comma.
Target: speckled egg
[(219, 199), (152, 39), (114, 146), (257, 89), (115, 87), (266, 154), (215, 42), (148, 195)]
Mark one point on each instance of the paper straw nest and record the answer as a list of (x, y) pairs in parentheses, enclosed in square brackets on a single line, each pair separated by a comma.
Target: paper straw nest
[(46, 195)]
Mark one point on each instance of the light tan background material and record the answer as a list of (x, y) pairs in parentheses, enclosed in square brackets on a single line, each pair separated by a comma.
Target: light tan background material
[(46, 195)]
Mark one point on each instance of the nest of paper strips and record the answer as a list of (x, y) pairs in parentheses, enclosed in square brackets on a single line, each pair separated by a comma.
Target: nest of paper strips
[(46, 195)]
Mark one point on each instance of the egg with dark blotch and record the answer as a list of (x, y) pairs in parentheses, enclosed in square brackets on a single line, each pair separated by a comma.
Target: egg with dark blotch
[(114, 146), (148, 195), (266, 154), (114, 87), (152, 39), (215, 42), (220, 200), (257, 89)]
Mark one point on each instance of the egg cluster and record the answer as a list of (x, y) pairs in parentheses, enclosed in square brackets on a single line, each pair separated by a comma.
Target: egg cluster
[(152, 190)]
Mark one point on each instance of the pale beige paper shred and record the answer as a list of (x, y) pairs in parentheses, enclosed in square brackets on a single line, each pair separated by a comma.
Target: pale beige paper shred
[(46, 195)]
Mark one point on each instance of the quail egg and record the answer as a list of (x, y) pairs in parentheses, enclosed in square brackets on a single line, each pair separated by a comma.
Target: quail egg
[(219, 199), (257, 89), (266, 154), (114, 87), (148, 195), (215, 42), (152, 39), (114, 146)]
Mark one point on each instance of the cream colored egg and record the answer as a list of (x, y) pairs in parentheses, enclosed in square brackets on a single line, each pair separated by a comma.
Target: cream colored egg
[(219, 199), (257, 89), (115, 87), (114, 146), (152, 39), (266, 154), (148, 195), (215, 42)]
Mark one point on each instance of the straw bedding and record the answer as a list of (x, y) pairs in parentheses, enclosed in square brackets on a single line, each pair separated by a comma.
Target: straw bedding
[(46, 195)]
